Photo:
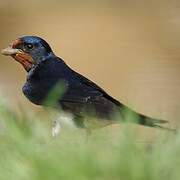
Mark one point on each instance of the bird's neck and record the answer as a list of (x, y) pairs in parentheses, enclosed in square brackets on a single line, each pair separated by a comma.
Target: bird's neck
[(41, 64)]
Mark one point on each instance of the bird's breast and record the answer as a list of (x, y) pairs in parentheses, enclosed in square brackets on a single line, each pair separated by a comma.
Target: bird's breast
[(31, 94), (36, 93)]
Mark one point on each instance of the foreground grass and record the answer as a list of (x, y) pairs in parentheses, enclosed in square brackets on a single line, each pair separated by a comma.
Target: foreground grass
[(27, 151)]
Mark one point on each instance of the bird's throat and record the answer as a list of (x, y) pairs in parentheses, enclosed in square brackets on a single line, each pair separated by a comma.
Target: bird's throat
[(24, 59)]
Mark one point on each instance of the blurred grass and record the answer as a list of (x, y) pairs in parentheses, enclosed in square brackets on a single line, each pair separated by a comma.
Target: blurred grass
[(29, 152)]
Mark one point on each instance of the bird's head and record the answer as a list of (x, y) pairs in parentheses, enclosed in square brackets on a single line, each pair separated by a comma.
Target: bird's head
[(28, 50)]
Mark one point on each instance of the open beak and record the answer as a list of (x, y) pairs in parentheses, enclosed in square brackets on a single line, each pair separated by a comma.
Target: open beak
[(9, 51), (12, 49), (22, 57)]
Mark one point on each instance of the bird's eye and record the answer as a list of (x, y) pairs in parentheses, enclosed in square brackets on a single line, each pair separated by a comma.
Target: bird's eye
[(29, 46)]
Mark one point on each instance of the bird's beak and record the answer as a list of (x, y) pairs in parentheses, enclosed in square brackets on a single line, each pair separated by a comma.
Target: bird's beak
[(12, 49), (9, 51), (22, 57)]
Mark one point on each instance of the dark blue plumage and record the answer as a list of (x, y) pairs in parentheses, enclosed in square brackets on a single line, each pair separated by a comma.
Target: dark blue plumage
[(81, 96)]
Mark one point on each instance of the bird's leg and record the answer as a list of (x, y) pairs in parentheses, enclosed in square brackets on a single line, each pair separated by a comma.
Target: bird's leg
[(56, 128)]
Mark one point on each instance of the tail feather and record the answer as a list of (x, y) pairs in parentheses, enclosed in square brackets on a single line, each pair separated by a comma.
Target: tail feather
[(144, 120), (156, 123), (148, 121)]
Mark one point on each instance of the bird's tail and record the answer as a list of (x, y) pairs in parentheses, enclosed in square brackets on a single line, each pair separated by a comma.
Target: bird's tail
[(129, 115), (157, 123)]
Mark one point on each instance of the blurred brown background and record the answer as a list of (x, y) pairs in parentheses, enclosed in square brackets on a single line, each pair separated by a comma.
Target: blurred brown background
[(131, 48)]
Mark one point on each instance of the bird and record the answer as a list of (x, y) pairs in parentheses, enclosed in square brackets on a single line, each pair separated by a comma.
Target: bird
[(80, 96)]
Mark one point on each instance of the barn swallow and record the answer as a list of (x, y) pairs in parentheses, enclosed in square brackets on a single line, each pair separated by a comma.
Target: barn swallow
[(82, 98)]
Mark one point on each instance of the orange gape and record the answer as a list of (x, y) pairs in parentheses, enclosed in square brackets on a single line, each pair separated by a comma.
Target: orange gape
[(25, 59)]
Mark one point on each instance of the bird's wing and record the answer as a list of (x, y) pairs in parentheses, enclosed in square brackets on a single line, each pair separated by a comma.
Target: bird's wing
[(93, 89), (81, 94), (80, 89), (84, 96), (84, 90)]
